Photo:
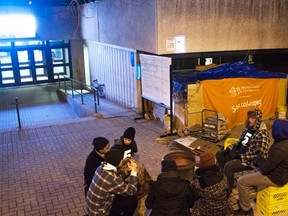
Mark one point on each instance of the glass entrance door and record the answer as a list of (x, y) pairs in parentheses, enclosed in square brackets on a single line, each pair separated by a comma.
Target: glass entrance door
[(32, 66), (33, 62), (40, 64), (60, 58), (25, 67), (6, 69)]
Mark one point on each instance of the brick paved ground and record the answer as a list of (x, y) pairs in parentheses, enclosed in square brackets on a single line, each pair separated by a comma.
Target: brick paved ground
[(42, 163), (42, 166), (39, 105)]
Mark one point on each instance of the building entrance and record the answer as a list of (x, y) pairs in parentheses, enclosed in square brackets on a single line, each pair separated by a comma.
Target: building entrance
[(33, 62)]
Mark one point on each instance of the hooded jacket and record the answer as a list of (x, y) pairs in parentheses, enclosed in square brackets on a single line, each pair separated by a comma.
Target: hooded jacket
[(169, 195), (253, 140), (275, 166)]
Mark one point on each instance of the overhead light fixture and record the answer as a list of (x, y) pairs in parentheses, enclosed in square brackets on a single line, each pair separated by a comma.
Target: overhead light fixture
[(30, 2)]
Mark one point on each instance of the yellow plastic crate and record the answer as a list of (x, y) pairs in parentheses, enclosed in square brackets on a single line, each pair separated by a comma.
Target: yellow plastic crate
[(280, 209), (277, 189), (273, 195), (270, 203)]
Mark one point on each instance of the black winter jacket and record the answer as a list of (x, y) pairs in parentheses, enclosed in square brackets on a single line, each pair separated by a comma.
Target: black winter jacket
[(93, 161), (169, 196), (125, 149), (275, 166)]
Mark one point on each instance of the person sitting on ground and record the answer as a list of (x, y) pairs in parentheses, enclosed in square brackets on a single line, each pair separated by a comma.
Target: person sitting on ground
[(210, 189), (272, 171), (108, 193), (170, 195), (127, 145), (94, 159), (240, 156)]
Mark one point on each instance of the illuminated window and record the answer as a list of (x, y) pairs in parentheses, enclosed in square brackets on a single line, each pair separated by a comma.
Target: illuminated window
[(208, 61), (17, 26)]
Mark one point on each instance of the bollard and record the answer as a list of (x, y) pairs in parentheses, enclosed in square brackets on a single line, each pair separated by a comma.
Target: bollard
[(17, 110)]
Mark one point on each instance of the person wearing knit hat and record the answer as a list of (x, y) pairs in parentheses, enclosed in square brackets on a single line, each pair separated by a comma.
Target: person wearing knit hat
[(210, 187), (206, 159), (129, 133), (169, 194), (109, 193), (94, 159), (126, 144), (168, 165), (113, 157), (100, 143)]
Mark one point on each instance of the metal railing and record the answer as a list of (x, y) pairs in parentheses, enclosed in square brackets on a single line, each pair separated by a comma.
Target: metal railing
[(78, 87)]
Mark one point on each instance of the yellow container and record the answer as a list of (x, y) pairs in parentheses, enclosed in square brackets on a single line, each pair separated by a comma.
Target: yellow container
[(282, 108), (278, 210), (275, 189), (272, 196), (282, 112)]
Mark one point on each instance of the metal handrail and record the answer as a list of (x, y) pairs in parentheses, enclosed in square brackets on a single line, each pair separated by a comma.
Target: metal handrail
[(83, 86)]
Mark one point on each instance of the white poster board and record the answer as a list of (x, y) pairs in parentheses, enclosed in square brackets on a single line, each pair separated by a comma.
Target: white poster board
[(155, 78)]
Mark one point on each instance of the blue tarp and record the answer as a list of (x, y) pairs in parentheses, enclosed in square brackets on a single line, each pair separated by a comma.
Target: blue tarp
[(241, 69), (185, 76), (180, 80), (238, 70)]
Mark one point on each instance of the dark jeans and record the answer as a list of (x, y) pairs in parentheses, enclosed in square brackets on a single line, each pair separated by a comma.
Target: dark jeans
[(86, 188), (123, 205), (222, 158), (230, 166)]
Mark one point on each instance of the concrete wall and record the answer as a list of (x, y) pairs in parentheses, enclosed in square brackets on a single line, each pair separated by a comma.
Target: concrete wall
[(126, 23), (208, 25), (77, 56), (57, 23), (218, 25)]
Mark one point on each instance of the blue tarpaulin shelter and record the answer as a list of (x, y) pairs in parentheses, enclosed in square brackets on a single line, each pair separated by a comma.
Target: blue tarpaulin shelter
[(238, 70)]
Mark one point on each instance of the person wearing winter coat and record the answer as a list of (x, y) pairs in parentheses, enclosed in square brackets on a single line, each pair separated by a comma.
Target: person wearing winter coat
[(272, 171), (126, 144), (240, 156), (109, 194), (94, 160), (169, 195), (210, 189)]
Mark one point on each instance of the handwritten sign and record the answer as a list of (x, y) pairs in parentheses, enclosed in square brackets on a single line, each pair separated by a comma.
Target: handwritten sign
[(155, 78)]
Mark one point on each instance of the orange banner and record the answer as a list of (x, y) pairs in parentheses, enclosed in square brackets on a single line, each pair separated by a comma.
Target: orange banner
[(235, 96)]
